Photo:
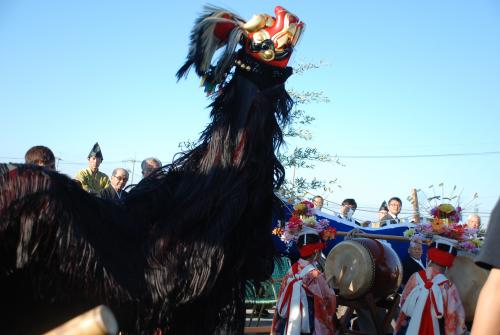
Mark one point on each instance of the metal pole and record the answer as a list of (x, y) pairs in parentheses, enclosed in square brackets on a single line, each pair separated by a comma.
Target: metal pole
[(415, 206)]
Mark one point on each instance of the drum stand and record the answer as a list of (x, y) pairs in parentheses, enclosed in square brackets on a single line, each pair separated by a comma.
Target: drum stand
[(368, 302)]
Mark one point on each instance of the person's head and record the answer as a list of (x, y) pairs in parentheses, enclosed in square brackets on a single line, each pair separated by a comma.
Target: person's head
[(94, 163), (42, 156), (474, 221), (119, 179), (394, 205), (415, 248), (382, 213), (95, 158), (149, 165), (383, 210), (309, 245), (348, 205), (318, 202)]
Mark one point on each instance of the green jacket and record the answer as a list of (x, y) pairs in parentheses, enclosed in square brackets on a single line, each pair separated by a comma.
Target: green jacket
[(92, 183)]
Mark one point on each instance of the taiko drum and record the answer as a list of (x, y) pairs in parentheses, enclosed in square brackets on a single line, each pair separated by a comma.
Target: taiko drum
[(359, 266)]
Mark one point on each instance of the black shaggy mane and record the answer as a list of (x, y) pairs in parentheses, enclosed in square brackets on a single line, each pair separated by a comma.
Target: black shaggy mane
[(180, 248)]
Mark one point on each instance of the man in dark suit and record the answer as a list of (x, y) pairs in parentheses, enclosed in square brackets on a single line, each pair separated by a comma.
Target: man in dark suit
[(394, 207), (413, 263), (347, 209), (115, 192)]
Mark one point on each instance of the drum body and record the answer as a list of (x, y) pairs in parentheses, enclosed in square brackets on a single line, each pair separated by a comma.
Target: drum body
[(361, 265), (469, 279)]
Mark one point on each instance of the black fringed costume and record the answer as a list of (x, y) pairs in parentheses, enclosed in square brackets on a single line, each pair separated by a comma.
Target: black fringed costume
[(176, 255)]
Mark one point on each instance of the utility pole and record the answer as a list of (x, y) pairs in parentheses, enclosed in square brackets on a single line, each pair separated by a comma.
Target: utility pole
[(293, 195), (415, 206), (133, 161), (57, 163)]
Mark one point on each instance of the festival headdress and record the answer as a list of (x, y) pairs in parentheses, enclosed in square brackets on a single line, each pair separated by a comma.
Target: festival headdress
[(266, 39), (446, 214), (442, 250), (303, 222), (446, 233), (96, 151), (445, 223)]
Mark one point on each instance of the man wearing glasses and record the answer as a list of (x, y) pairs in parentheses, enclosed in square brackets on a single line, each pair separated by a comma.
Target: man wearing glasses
[(116, 192), (394, 207)]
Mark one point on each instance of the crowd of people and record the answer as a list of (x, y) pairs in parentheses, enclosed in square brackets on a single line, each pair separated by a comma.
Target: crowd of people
[(430, 302), (90, 178), (96, 182), (388, 213)]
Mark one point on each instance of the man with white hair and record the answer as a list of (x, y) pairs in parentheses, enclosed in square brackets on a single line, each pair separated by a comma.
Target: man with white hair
[(474, 221), (116, 192), (430, 302), (413, 263)]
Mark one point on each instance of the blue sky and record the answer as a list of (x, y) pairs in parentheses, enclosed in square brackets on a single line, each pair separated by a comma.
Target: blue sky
[(403, 78)]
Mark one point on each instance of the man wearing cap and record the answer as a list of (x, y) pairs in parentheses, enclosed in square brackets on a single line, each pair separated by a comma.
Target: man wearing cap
[(383, 210), (92, 180), (430, 303)]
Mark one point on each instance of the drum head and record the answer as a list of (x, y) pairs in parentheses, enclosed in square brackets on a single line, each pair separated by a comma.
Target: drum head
[(469, 279), (349, 268)]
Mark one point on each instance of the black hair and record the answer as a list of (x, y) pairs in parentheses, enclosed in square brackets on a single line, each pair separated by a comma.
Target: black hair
[(175, 247), (307, 239), (395, 198), (351, 202), (444, 247)]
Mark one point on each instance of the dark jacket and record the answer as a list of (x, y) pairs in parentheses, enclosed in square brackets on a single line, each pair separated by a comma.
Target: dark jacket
[(352, 220), (110, 194), (410, 266), (388, 219)]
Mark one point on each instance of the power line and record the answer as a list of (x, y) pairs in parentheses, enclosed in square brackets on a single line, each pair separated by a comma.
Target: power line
[(15, 158), (419, 156), (405, 212), (62, 161), (460, 154), (133, 161)]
